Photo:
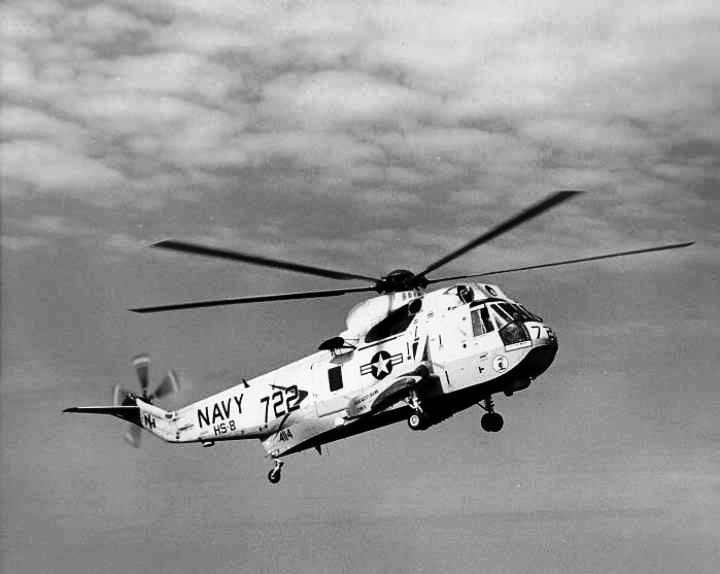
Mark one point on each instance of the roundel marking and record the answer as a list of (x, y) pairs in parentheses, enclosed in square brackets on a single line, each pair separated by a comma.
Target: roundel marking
[(381, 365), (501, 363)]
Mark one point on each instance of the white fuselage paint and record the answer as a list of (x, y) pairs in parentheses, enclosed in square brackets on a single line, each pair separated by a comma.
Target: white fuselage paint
[(294, 403)]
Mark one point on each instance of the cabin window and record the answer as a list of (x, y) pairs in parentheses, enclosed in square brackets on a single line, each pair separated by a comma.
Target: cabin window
[(481, 322), (335, 378)]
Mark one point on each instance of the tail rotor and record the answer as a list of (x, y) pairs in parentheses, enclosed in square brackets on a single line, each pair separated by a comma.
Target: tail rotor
[(133, 435), (169, 385), (121, 397)]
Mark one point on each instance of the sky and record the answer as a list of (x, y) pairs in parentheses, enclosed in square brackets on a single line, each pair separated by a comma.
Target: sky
[(363, 137)]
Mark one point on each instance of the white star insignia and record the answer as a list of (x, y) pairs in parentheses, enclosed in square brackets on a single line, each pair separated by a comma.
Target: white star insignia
[(381, 365)]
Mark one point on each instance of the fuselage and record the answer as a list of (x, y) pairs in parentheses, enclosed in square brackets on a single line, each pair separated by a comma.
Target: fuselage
[(470, 339)]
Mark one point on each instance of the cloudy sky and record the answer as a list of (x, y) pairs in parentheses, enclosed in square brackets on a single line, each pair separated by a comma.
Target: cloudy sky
[(359, 136)]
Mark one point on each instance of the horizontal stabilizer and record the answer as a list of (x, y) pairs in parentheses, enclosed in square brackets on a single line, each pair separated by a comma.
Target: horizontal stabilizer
[(114, 410), (128, 413)]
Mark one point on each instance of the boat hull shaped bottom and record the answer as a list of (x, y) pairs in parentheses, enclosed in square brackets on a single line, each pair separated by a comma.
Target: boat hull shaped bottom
[(536, 362)]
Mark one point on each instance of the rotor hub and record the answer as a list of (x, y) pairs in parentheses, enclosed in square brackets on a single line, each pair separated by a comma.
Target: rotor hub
[(400, 280)]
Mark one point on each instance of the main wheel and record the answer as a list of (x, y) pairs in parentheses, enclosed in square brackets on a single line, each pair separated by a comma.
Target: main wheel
[(417, 422), (274, 476), (492, 422)]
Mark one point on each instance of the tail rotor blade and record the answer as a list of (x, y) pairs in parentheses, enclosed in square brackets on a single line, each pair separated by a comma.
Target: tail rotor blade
[(169, 385), (122, 397), (142, 367), (132, 436), (117, 395)]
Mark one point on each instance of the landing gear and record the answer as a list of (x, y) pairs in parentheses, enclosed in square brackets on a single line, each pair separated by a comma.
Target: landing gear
[(274, 475), (490, 421), (418, 419)]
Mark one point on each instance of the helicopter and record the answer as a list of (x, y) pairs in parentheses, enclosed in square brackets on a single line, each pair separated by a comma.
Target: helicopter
[(407, 353)]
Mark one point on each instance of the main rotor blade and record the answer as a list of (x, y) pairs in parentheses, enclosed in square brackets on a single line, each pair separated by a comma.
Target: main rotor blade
[(523, 216), (567, 262), (254, 299), (195, 249)]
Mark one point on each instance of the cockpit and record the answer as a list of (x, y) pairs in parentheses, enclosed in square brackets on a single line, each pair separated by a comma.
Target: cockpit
[(507, 317), (491, 311)]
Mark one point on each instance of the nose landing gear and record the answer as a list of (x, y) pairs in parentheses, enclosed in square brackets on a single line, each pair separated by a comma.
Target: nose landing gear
[(274, 475), (490, 421)]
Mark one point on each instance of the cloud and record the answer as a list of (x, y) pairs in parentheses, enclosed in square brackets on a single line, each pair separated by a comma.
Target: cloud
[(342, 98), (123, 243), (50, 168), (23, 122), (54, 225), (144, 106), (14, 243)]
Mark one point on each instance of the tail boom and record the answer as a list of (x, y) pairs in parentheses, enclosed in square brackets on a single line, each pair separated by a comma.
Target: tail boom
[(153, 419)]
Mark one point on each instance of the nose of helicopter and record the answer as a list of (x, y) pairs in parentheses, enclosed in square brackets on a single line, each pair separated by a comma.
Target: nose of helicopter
[(544, 349), (550, 338)]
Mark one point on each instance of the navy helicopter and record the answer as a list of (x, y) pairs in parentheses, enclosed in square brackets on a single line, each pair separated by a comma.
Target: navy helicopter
[(408, 353)]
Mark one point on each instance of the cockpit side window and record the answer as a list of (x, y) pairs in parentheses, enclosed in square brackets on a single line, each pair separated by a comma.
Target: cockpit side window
[(481, 322)]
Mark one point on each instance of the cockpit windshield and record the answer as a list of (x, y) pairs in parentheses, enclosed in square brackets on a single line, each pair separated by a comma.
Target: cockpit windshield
[(507, 318), (502, 315), (513, 312), (510, 319)]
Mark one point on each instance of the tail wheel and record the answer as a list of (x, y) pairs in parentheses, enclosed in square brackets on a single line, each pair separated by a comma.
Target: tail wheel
[(274, 475)]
